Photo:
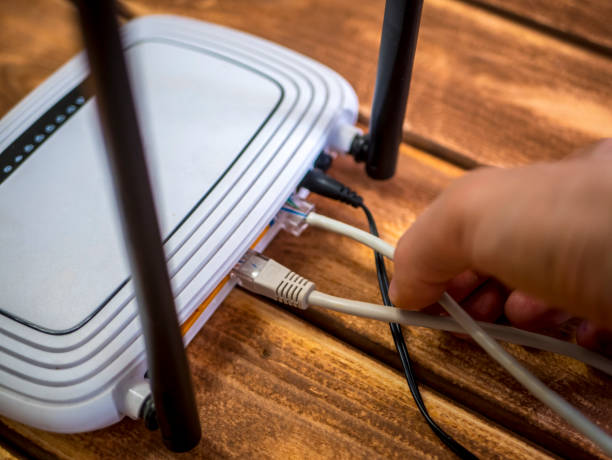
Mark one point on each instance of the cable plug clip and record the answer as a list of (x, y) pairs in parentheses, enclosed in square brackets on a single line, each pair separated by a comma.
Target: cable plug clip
[(256, 273), (292, 216)]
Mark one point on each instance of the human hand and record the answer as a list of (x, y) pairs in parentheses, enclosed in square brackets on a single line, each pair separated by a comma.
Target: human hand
[(544, 231)]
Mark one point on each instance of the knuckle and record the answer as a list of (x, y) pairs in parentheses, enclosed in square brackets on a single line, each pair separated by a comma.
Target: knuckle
[(466, 193)]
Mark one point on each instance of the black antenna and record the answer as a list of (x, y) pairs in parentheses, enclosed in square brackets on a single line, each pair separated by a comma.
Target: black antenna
[(177, 413), (397, 47)]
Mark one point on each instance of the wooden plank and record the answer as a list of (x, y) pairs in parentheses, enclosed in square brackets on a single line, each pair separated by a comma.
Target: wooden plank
[(456, 368), (485, 89), (586, 22), (270, 385)]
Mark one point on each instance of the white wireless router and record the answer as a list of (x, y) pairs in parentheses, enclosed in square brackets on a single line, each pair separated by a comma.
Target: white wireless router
[(230, 124)]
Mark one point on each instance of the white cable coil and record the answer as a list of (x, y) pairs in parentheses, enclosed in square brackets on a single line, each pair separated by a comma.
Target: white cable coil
[(526, 378)]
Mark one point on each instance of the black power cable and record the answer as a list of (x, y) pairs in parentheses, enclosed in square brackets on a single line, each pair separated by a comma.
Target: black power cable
[(318, 182), (402, 350)]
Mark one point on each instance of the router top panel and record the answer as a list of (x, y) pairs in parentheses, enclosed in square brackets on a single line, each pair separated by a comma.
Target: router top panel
[(230, 122), (60, 222)]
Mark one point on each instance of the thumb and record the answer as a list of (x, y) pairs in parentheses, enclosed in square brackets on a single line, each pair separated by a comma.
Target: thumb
[(433, 251)]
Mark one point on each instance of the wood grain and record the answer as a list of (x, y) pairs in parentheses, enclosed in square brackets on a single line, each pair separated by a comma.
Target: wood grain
[(270, 385), (584, 21), (485, 89), (456, 368), (6, 455)]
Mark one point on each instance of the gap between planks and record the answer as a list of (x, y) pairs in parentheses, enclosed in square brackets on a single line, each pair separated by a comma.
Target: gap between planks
[(525, 21)]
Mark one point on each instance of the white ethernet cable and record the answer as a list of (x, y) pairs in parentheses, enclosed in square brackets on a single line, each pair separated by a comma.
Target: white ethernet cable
[(333, 225), (449, 324), (298, 214), (526, 378), (267, 277)]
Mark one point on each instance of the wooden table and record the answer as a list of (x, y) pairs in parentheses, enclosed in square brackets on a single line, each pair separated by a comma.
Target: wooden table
[(495, 82)]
